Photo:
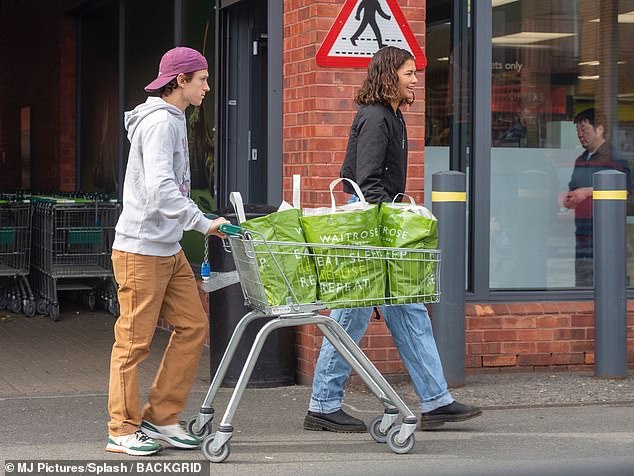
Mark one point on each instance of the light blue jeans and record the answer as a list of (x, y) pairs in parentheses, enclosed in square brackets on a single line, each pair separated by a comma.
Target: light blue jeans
[(410, 327)]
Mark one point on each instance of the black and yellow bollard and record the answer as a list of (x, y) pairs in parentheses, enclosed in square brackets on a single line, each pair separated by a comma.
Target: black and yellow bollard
[(449, 199), (609, 199)]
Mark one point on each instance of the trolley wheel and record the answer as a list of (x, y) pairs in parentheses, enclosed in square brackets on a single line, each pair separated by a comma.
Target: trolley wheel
[(395, 446), (375, 430), (54, 311), (41, 307), (14, 305), (190, 426), (29, 308), (3, 303), (215, 457)]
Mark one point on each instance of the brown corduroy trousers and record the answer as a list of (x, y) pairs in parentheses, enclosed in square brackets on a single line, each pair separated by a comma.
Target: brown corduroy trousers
[(149, 287)]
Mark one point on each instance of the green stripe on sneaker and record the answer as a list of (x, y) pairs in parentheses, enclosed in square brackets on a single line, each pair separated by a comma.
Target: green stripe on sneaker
[(149, 426), (191, 441)]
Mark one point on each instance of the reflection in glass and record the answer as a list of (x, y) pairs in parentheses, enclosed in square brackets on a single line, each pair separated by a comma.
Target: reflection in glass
[(448, 93), (551, 59), (198, 32), (438, 95)]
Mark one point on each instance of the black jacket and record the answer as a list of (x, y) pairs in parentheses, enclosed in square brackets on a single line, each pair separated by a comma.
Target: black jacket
[(376, 156)]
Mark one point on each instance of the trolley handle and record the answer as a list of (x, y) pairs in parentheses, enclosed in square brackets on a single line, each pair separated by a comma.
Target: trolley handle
[(229, 229)]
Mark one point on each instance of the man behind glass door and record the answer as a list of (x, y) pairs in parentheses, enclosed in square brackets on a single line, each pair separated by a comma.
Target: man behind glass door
[(598, 155)]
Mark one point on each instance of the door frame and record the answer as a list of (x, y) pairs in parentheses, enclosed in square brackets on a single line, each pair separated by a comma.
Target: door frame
[(227, 172)]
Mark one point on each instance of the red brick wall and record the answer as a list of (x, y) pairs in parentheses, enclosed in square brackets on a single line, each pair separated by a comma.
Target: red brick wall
[(319, 102), (67, 106), (38, 51), (533, 336), (318, 110)]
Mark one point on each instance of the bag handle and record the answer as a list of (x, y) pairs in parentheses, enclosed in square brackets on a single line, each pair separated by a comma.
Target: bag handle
[(411, 199), (356, 188), (236, 200), (422, 211), (297, 187)]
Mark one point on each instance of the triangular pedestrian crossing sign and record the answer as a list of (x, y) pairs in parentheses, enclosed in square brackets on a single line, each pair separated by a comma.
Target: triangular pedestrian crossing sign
[(361, 29)]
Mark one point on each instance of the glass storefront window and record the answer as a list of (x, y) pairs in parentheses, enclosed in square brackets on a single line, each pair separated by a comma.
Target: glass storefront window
[(438, 94), (447, 89), (448, 95), (98, 101), (551, 60)]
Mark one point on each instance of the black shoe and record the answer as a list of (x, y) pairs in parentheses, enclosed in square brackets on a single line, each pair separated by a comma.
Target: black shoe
[(449, 413), (339, 422)]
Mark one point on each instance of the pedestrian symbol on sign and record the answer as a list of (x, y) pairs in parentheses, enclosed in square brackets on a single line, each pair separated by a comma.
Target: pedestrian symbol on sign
[(361, 29), (370, 9)]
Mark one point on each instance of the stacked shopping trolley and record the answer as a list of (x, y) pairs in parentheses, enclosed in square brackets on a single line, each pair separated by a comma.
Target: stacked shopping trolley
[(72, 243), (15, 248)]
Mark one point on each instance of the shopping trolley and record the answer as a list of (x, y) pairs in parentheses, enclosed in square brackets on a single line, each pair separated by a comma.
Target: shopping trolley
[(250, 251), (72, 244), (15, 249)]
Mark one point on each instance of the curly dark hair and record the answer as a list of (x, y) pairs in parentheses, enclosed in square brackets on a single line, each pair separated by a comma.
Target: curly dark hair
[(171, 86), (381, 84)]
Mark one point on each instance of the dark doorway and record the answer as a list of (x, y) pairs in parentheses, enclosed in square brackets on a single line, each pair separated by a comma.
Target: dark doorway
[(98, 99), (259, 106), (243, 104)]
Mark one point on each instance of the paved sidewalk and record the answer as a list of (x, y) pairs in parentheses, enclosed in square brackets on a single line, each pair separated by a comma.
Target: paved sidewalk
[(53, 393)]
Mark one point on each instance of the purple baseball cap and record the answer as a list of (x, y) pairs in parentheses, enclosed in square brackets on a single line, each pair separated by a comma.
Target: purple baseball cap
[(176, 61)]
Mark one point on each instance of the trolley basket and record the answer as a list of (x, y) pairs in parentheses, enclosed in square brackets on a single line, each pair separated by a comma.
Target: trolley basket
[(413, 275), (15, 255), (72, 247)]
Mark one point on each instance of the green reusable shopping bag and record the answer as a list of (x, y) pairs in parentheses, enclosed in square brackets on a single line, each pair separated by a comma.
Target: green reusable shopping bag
[(295, 262), (411, 276), (347, 277)]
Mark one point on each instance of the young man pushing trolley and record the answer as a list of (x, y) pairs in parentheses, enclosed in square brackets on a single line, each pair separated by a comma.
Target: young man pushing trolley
[(152, 272)]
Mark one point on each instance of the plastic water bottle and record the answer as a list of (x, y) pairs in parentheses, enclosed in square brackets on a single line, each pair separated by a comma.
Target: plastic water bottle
[(205, 271)]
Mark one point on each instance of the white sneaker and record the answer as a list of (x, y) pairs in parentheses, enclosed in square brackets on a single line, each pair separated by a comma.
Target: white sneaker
[(174, 435), (135, 444)]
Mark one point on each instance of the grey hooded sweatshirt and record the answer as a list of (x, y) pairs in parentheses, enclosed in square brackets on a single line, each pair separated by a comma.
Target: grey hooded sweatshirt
[(156, 203)]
